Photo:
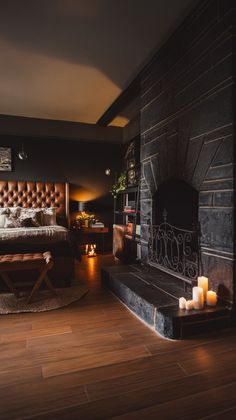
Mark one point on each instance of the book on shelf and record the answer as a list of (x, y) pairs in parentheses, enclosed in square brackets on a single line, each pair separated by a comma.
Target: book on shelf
[(98, 225)]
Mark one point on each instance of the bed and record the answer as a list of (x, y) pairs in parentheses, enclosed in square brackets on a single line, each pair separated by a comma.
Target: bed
[(54, 237)]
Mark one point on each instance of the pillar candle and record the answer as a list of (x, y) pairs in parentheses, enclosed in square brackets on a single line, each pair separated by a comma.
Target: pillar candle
[(189, 305), (203, 282), (211, 298), (198, 297), (182, 303)]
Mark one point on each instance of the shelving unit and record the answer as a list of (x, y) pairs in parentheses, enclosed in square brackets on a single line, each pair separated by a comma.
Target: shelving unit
[(128, 198), (126, 236)]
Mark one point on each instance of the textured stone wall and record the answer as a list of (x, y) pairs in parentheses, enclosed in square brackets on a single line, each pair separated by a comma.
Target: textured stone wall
[(187, 130)]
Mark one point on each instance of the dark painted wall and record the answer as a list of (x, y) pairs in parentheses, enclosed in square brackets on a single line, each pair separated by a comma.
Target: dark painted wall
[(187, 130), (80, 163)]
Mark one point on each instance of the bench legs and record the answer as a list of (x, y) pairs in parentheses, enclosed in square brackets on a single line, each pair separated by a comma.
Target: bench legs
[(43, 277), (9, 283)]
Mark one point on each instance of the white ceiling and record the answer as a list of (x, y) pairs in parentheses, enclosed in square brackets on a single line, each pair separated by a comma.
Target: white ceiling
[(70, 59)]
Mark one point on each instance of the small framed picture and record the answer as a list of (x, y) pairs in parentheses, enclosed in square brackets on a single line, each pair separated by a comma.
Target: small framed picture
[(5, 159)]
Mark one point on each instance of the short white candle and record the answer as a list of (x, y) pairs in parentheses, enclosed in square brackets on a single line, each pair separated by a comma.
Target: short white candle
[(189, 305), (203, 282), (182, 303), (211, 298), (198, 297)]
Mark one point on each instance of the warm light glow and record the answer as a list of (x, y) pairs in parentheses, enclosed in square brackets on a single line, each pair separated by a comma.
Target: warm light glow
[(203, 282), (211, 298), (90, 250), (119, 121)]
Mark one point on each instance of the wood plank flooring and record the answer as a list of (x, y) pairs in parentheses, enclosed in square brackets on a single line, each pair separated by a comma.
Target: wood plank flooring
[(95, 360)]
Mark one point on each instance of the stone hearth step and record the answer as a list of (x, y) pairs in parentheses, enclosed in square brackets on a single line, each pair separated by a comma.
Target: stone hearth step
[(153, 296)]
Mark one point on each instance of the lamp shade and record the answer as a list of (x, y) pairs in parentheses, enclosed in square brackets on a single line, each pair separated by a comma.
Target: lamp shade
[(81, 205)]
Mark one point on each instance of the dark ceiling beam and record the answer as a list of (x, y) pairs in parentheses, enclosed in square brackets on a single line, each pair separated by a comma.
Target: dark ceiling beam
[(36, 127), (120, 103)]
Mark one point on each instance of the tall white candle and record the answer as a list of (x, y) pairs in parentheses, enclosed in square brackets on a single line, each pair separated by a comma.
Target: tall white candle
[(182, 303), (211, 298), (198, 297), (203, 282)]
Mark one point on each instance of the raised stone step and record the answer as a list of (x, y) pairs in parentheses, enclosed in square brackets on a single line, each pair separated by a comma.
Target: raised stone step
[(153, 296)]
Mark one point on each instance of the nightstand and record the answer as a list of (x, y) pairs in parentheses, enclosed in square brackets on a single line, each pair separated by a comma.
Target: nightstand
[(91, 236)]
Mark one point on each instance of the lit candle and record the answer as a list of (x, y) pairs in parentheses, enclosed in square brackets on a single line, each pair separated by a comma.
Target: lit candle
[(211, 298), (189, 305), (203, 282), (198, 297), (182, 303)]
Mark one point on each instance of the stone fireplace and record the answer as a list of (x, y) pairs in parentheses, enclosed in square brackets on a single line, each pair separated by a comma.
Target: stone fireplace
[(187, 138)]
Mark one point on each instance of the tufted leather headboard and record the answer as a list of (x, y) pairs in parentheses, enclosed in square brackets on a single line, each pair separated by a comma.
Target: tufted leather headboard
[(36, 194)]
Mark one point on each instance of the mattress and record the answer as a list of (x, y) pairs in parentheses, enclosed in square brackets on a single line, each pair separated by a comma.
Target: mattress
[(39, 235)]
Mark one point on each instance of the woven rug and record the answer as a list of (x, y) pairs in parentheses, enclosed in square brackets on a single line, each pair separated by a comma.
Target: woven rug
[(43, 301)]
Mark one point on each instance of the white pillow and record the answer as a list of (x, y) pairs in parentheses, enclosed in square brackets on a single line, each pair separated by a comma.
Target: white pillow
[(2, 220), (49, 216)]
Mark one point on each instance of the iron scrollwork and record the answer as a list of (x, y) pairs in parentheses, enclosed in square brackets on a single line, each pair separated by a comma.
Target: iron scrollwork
[(174, 249)]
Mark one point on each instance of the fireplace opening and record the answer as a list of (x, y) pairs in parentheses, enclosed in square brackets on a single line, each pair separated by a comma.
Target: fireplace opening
[(179, 201), (174, 235)]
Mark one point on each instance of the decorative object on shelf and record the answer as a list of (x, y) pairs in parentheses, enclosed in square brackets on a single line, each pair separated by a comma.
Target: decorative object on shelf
[(211, 298), (90, 250), (84, 219), (198, 297), (203, 282), (5, 159), (132, 177), (120, 184), (22, 153)]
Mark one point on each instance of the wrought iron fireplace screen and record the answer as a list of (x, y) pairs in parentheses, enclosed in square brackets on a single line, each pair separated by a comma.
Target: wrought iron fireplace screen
[(174, 250)]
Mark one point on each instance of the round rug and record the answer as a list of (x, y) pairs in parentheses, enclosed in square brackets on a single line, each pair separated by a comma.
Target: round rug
[(43, 300)]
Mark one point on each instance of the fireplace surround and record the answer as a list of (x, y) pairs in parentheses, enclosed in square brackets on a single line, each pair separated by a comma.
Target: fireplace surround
[(187, 128)]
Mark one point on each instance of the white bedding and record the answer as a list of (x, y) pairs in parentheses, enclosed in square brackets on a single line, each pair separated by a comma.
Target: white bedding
[(42, 234)]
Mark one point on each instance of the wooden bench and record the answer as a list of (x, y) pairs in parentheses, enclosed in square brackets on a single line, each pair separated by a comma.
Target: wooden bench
[(37, 261)]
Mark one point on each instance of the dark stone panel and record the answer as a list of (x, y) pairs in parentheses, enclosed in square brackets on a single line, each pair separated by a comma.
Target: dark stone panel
[(152, 147), (188, 83), (207, 115), (146, 210), (145, 194), (218, 185), (204, 160), (225, 6), (225, 153), (157, 171), (223, 198), (206, 199), (196, 24), (143, 185), (220, 132), (208, 71), (204, 84), (135, 294), (145, 232), (194, 149), (144, 252), (220, 273), (148, 174), (155, 134), (220, 172), (171, 163), (203, 49), (217, 228)]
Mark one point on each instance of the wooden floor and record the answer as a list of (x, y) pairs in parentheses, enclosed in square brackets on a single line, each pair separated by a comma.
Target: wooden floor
[(95, 360)]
